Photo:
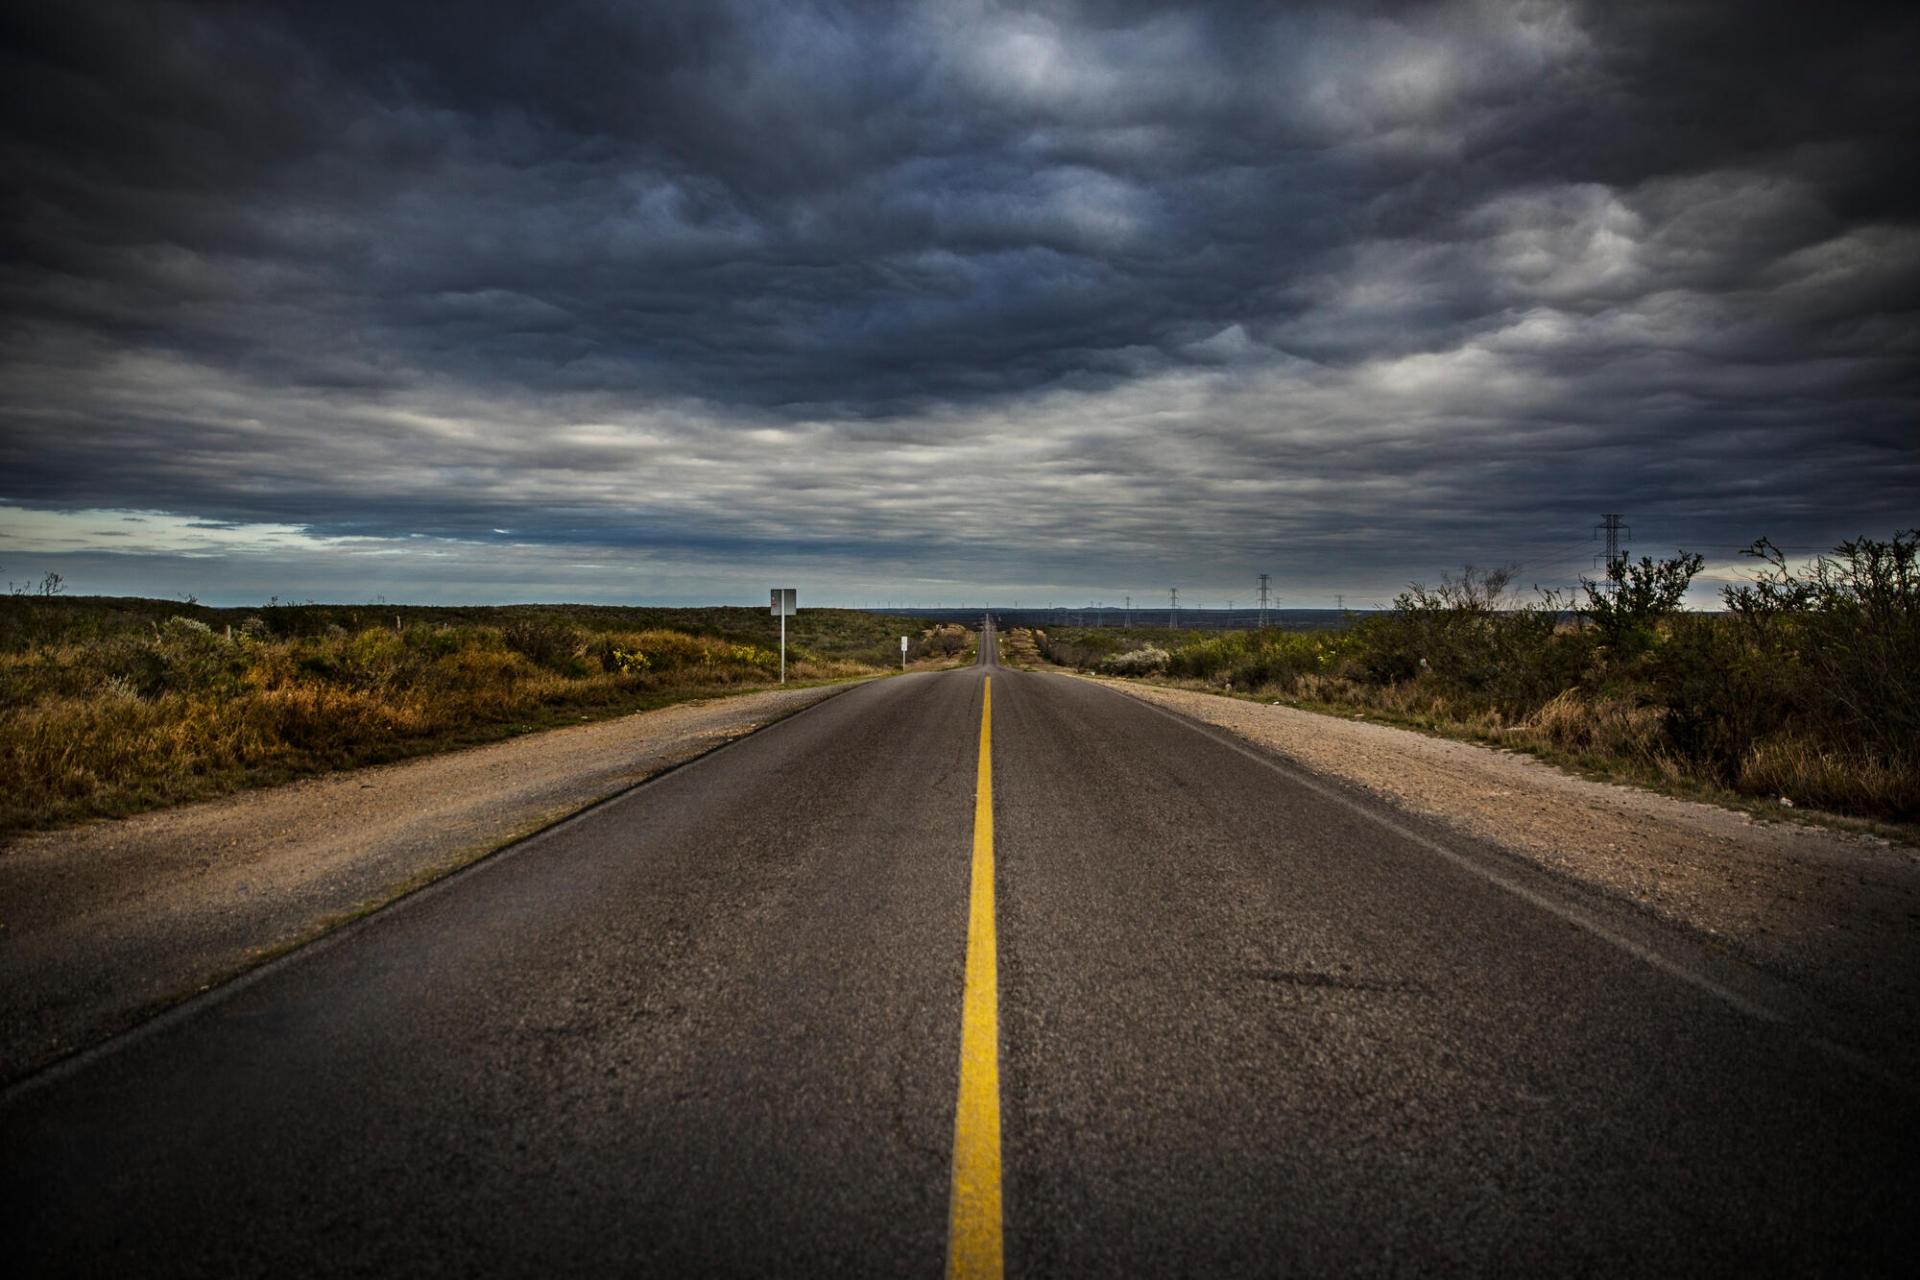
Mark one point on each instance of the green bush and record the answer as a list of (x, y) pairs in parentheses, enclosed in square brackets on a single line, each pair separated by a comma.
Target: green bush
[(1841, 639), (1808, 685), (1473, 640), (544, 643), (1720, 697), (1628, 609)]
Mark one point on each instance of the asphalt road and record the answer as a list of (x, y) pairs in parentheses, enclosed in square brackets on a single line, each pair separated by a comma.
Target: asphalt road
[(1248, 1024)]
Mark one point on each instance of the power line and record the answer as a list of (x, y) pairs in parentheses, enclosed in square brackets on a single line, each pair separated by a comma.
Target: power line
[(1557, 556)]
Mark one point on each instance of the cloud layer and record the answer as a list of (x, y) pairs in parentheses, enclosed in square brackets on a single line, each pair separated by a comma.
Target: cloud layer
[(953, 299)]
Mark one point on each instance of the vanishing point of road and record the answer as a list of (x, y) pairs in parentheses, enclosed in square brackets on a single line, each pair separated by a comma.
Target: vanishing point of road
[(969, 971)]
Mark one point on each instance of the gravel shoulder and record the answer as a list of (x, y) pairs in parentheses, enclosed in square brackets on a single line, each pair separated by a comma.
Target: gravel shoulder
[(1836, 914), (105, 924)]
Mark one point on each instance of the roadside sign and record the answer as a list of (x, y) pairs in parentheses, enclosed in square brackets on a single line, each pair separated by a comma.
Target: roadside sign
[(784, 605), (903, 653)]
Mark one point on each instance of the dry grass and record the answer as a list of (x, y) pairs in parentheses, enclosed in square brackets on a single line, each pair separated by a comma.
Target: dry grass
[(107, 720), (1576, 724), (1611, 735), (1828, 778)]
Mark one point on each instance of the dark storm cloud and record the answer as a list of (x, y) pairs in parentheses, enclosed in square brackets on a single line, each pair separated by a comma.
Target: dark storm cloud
[(1060, 293)]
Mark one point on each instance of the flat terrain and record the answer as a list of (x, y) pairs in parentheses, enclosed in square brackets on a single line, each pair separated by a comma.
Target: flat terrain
[(1250, 1021)]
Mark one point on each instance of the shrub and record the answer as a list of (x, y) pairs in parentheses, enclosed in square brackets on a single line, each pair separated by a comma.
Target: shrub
[(188, 656), (1719, 696), (1808, 686), (943, 640), (1084, 650), (1628, 608), (544, 643), (1843, 635), (1475, 640), (1138, 662)]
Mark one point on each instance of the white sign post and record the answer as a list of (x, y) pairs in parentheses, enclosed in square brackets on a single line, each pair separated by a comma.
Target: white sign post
[(785, 606), (903, 653)]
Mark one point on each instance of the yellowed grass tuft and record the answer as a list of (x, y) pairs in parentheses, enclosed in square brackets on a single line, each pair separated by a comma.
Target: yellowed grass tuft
[(183, 711), (1805, 773)]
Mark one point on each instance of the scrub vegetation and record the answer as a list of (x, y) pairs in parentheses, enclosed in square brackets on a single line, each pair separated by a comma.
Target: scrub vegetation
[(1803, 690), (108, 706)]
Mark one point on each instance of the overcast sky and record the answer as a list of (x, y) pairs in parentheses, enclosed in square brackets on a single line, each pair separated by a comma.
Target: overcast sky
[(669, 302)]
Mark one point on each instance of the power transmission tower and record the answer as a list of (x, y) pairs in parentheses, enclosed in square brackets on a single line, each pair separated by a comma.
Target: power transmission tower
[(1173, 605), (1611, 526), (1266, 588), (1129, 611), (1340, 603)]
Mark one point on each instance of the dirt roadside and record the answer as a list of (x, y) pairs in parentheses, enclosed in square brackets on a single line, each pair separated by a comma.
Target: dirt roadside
[(1836, 914), (104, 924)]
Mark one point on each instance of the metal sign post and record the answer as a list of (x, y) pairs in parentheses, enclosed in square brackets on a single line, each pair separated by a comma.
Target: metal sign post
[(903, 653), (784, 606)]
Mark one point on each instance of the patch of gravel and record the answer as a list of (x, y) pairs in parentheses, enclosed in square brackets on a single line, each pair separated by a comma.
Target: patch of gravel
[(1837, 913), (101, 925)]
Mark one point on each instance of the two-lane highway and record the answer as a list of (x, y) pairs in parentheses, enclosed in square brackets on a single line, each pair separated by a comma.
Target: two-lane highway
[(1240, 1023)]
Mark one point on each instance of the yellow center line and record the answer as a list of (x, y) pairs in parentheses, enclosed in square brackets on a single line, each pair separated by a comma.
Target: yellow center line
[(973, 1236)]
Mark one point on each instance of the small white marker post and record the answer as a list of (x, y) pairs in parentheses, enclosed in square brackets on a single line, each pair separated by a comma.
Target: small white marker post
[(903, 653), (784, 606)]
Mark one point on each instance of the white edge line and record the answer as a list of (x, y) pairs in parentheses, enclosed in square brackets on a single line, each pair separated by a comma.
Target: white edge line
[(1566, 911)]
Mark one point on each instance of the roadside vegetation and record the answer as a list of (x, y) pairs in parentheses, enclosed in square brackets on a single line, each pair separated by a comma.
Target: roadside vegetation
[(1804, 690), (109, 706)]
